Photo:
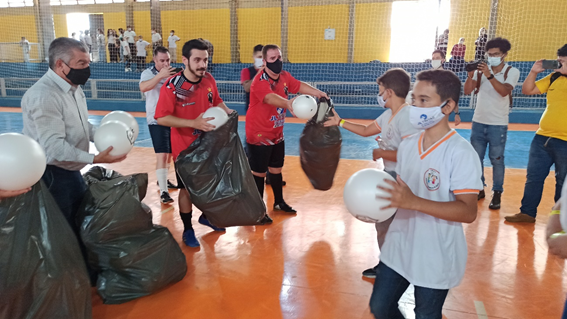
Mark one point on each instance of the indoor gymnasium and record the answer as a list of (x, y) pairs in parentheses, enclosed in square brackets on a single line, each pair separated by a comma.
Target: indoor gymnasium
[(283, 159)]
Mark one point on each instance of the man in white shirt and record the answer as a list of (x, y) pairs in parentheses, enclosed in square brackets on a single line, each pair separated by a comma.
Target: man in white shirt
[(436, 191), (130, 37), (127, 54), (25, 44), (151, 81), (141, 46), (88, 41), (156, 39), (172, 40), (494, 83), (55, 114), (101, 45)]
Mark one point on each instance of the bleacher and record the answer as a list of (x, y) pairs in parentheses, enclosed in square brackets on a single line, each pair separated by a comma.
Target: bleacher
[(350, 85)]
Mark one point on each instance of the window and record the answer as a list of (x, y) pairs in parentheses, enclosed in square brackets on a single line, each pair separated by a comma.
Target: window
[(15, 3), (414, 25)]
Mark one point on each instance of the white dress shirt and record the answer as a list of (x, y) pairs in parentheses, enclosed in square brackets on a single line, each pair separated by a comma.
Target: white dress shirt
[(55, 114)]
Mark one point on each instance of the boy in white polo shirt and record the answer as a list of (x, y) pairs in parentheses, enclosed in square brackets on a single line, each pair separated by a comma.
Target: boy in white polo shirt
[(394, 125), (438, 184)]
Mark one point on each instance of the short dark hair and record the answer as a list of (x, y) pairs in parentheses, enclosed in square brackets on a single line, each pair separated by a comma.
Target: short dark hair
[(160, 49), (193, 44), (269, 47), (397, 80), (562, 51), (172, 31), (440, 52), (446, 83), (258, 48), (500, 43)]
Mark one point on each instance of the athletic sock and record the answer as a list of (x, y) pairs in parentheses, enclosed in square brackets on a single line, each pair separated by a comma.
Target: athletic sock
[(186, 219), (260, 184), (276, 182), (161, 175)]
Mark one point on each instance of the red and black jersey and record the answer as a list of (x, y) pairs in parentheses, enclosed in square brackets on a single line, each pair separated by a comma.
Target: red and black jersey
[(264, 122), (185, 99)]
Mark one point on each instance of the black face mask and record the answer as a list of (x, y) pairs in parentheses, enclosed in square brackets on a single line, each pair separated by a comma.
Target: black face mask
[(276, 66), (78, 76)]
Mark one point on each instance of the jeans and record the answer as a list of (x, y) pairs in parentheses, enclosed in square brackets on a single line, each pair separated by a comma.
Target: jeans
[(389, 286), (564, 316), (102, 54), (544, 152), (495, 136)]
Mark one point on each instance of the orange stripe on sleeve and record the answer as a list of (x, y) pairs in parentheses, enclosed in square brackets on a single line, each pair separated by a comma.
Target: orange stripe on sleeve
[(466, 191)]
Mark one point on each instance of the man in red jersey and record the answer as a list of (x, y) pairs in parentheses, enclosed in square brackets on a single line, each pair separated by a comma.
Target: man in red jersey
[(265, 119), (182, 102)]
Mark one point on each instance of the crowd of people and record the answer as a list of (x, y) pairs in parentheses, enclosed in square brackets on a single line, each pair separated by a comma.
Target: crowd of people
[(439, 174)]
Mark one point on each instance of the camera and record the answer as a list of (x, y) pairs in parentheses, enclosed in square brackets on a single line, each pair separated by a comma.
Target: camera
[(472, 66)]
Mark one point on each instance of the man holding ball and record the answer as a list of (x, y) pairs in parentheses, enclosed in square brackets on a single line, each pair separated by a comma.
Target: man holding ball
[(55, 114), (269, 101), (182, 102)]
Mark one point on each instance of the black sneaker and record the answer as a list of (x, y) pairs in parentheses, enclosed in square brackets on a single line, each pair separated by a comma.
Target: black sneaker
[(481, 195), (495, 202), (369, 273), (284, 207), (171, 185), (165, 198), (266, 220)]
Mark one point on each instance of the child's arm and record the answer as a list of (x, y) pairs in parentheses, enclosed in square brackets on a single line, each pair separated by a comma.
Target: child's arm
[(388, 155), (358, 129), (463, 209)]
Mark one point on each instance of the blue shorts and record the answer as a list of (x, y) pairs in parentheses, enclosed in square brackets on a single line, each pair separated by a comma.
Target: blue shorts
[(161, 138)]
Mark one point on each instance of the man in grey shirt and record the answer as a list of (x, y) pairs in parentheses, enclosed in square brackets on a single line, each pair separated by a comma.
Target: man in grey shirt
[(55, 114)]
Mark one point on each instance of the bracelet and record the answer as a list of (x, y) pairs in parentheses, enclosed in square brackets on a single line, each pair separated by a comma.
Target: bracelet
[(457, 113), (555, 212), (342, 122)]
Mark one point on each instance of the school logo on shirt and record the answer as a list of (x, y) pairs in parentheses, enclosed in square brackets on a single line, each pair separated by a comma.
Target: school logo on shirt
[(432, 179)]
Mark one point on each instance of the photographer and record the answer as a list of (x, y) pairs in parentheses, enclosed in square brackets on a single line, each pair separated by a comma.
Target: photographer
[(494, 83), (549, 145)]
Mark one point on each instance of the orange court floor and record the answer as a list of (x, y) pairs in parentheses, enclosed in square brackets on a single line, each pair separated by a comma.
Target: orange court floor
[(309, 265)]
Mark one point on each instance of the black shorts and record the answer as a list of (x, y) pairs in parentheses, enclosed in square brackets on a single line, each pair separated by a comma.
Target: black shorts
[(161, 138), (263, 156)]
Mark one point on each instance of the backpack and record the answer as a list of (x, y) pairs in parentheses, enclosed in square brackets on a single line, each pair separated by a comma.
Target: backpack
[(479, 78)]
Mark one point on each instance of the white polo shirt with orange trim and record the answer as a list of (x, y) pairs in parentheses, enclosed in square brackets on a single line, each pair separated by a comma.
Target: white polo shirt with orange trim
[(394, 129), (427, 251)]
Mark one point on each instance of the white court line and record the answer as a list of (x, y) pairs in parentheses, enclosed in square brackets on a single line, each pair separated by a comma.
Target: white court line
[(480, 310), (166, 210)]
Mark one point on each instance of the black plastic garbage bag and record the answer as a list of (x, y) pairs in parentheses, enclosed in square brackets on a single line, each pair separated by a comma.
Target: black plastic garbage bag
[(320, 148), (217, 175), (133, 257), (42, 271)]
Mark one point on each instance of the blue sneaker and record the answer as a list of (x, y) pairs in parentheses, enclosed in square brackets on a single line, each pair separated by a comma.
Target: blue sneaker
[(206, 222), (189, 238)]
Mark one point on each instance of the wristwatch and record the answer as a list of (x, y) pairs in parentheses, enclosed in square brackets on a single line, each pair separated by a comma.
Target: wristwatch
[(457, 113), (490, 77)]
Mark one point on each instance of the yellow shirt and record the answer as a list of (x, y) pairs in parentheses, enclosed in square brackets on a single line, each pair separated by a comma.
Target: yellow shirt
[(553, 122)]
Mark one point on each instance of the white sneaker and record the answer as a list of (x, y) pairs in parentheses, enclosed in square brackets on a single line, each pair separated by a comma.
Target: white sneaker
[(126, 70)]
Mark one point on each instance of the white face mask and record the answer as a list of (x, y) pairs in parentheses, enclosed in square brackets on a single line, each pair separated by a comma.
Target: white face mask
[(258, 62), (381, 101), (436, 64), (153, 32), (425, 117), (171, 34), (129, 29), (494, 60)]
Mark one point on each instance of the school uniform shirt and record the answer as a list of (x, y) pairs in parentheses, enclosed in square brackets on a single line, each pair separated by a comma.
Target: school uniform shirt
[(141, 48), (152, 96), (491, 107), (427, 251), (125, 48), (394, 128), (187, 100), (156, 37), (130, 35), (264, 122)]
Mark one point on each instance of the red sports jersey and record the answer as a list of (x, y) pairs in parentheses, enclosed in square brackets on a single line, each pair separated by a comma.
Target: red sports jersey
[(184, 99), (264, 122)]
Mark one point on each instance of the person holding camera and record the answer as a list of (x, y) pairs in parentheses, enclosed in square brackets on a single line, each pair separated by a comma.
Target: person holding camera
[(549, 145), (494, 82)]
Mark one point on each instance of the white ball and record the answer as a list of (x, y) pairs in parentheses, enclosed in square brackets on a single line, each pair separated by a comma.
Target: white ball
[(219, 115), (22, 161), (115, 134), (125, 118), (361, 195), (304, 107)]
